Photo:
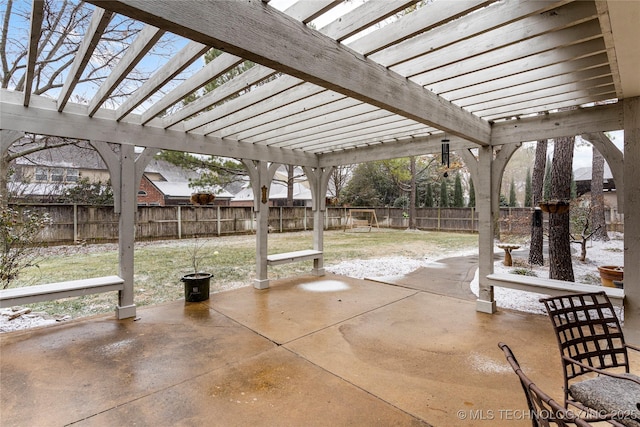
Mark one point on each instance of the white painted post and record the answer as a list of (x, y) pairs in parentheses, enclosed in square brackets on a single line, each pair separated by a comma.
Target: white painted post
[(126, 233), (484, 203), (632, 219)]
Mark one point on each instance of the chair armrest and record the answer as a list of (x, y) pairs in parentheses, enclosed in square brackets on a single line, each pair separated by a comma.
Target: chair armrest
[(632, 347), (600, 371)]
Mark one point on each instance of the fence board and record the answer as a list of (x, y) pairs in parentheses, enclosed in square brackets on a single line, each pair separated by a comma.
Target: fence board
[(100, 223)]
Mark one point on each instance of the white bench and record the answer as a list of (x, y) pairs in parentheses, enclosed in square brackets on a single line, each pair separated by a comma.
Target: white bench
[(288, 257), (53, 291), (551, 287)]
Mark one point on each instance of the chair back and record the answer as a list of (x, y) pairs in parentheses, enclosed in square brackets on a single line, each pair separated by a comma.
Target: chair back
[(587, 330), (544, 410)]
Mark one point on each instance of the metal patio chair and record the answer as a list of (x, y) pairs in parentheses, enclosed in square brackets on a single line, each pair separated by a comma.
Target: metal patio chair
[(595, 360), (544, 410)]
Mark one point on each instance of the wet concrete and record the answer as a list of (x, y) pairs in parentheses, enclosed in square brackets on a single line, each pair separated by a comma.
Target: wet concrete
[(309, 351)]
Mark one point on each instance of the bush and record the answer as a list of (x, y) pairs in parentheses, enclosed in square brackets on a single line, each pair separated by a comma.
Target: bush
[(18, 232)]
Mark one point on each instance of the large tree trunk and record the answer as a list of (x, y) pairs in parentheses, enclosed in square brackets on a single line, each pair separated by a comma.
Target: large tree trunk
[(536, 256), (598, 222), (560, 264)]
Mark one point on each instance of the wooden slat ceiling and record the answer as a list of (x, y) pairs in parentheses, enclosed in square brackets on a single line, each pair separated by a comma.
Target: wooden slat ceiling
[(460, 66)]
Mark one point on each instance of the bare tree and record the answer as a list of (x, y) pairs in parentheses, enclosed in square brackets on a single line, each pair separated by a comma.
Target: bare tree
[(412, 193), (339, 178), (598, 221), (536, 256), (560, 263), (57, 48)]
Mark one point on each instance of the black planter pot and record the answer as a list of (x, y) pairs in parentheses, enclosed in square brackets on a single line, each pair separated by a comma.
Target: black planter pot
[(196, 286)]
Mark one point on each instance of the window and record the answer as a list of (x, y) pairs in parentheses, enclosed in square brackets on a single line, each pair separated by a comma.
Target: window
[(72, 175), (57, 175), (42, 174), (142, 193)]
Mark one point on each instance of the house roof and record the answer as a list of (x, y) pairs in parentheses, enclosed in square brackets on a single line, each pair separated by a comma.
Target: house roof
[(182, 189), (278, 190), (584, 173)]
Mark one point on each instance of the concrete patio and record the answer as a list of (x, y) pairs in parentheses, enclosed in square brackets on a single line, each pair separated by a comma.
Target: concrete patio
[(309, 351)]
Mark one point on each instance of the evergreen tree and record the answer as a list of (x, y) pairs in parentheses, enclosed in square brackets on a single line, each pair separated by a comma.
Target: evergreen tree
[(472, 194), (428, 199), (528, 191), (513, 202), (458, 199), (444, 194)]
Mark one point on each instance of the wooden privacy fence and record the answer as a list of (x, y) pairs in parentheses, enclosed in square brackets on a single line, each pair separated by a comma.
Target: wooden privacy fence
[(80, 223)]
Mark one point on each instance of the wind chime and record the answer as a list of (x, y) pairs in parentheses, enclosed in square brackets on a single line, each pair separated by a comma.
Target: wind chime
[(444, 154)]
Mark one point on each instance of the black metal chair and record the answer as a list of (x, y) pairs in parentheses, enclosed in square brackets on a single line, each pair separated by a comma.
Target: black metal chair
[(595, 360), (543, 409)]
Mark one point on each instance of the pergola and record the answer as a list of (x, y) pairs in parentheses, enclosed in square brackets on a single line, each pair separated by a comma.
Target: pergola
[(372, 84)]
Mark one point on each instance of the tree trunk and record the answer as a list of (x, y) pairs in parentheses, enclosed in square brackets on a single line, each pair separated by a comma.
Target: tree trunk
[(412, 194), (290, 179), (560, 263), (536, 256), (597, 197)]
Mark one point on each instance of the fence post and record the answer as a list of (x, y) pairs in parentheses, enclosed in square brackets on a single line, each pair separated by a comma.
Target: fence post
[(473, 228), (75, 223), (438, 218), (179, 216), (280, 219), (218, 222)]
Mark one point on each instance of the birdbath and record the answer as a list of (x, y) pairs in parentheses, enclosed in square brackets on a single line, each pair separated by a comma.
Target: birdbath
[(508, 247)]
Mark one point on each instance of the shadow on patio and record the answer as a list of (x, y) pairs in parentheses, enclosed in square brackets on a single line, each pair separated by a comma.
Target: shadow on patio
[(308, 351)]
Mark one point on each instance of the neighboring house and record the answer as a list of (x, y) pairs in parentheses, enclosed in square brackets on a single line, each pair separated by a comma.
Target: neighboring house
[(582, 177), (164, 193), (44, 176), (278, 191)]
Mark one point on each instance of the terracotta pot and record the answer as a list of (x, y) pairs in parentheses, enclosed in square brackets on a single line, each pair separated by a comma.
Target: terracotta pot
[(609, 274), (555, 206)]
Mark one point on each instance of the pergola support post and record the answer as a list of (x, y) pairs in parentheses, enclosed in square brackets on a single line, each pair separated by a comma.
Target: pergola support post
[(631, 108), (318, 183), (125, 171), (260, 174), (126, 231), (484, 202)]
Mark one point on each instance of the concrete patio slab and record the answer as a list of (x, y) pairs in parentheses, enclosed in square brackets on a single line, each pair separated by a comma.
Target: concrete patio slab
[(292, 308), (309, 351)]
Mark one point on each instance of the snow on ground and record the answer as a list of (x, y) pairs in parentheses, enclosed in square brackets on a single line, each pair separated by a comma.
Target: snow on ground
[(598, 253)]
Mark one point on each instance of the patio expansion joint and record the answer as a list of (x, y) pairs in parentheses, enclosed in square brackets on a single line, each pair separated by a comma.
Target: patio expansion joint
[(348, 318)]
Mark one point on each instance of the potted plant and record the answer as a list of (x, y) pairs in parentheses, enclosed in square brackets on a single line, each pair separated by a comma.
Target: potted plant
[(610, 274), (196, 284)]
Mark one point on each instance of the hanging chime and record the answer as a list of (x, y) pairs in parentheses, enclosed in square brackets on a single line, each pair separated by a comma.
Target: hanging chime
[(444, 154)]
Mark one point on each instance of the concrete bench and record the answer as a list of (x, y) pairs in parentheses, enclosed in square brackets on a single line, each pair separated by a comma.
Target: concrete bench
[(551, 286), (53, 291)]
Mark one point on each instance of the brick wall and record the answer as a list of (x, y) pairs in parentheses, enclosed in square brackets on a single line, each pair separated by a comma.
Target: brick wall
[(153, 195)]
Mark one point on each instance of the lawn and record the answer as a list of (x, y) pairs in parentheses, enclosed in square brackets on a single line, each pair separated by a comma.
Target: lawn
[(160, 265)]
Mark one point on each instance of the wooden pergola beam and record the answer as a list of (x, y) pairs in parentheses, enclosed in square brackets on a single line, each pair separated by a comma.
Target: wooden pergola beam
[(42, 117), (313, 57)]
